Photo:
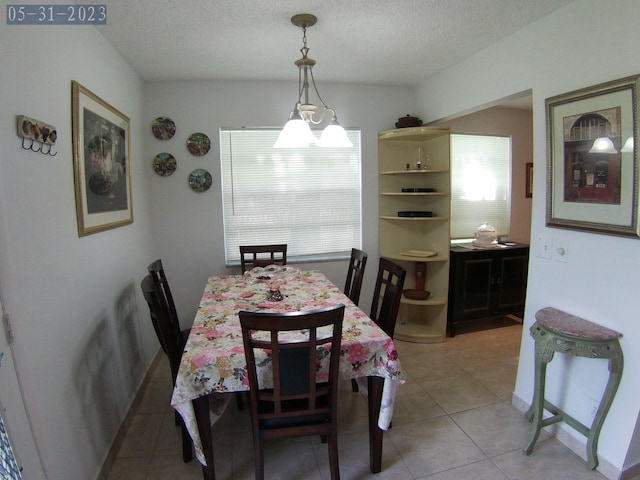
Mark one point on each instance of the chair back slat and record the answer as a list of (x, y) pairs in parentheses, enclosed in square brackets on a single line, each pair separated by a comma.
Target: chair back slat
[(162, 323), (159, 277), (355, 275), (387, 295), (262, 255)]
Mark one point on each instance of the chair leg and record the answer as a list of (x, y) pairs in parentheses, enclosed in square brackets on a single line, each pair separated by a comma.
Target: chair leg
[(187, 450), (354, 385), (239, 400), (334, 465), (258, 452)]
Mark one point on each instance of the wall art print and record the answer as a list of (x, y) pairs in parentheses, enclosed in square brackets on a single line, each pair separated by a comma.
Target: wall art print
[(592, 165), (102, 163)]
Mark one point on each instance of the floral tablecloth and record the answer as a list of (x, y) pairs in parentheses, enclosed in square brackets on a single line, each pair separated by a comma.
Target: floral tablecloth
[(213, 361)]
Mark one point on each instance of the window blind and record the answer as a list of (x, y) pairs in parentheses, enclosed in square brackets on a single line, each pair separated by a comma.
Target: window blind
[(480, 184), (308, 198)]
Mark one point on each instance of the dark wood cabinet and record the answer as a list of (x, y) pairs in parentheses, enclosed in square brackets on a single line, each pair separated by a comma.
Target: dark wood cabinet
[(486, 282)]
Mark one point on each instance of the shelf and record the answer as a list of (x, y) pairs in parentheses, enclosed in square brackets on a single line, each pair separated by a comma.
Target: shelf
[(415, 172), (413, 219), (412, 332), (433, 302), (415, 194), (408, 258), (421, 321), (413, 134)]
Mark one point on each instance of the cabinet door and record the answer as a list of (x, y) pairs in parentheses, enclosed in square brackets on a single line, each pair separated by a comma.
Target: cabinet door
[(510, 295), (475, 287)]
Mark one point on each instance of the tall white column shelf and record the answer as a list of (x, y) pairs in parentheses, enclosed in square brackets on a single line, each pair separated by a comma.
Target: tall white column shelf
[(423, 321)]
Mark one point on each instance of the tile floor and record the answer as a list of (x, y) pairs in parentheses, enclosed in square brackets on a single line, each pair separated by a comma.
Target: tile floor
[(453, 421)]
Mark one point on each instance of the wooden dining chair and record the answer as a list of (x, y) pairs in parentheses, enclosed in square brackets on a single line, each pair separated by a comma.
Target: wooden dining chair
[(159, 277), (293, 401), (355, 275), (172, 344), (252, 256), (387, 294), (156, 270)]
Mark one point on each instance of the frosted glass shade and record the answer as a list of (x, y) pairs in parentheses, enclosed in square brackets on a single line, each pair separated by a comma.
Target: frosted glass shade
[(295, 134), (334, 136)]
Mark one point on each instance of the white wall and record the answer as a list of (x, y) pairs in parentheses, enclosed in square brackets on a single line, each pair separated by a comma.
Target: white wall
[(188, 225), (583, 44), (83, 339)]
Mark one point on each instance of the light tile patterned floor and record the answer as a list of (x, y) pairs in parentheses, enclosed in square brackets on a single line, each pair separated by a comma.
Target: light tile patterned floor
[(453, 421)]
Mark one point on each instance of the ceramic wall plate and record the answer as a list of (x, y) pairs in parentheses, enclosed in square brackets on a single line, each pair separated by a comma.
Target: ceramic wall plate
[(198, 144), (163, 128), (164, 164), (200, 180)]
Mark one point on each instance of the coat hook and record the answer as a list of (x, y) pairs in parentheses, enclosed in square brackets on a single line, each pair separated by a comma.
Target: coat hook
[(48, 152)]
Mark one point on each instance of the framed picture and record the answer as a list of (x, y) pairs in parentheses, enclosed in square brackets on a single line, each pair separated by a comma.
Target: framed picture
[(529, 185), (102, 163), (592, 163)]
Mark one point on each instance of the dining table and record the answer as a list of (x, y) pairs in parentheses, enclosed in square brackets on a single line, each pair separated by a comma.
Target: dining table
[(213, 364)]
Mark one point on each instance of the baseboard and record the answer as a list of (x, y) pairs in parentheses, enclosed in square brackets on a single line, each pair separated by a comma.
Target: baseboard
[(577, 445), (515, 318), (126, 422)]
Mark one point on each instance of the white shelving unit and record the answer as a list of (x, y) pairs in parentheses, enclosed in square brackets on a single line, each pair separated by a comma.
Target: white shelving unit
[(423, 321)]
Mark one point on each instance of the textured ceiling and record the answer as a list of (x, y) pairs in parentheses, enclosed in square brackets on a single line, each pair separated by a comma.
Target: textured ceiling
[(381, 42)]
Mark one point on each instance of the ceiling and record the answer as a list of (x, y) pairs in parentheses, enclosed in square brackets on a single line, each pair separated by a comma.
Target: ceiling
[(378, 42)]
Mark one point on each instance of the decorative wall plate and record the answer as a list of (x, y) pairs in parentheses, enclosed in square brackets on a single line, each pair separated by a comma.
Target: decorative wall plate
[(198, 144), (164, 164), (163, 128), (200, 180)]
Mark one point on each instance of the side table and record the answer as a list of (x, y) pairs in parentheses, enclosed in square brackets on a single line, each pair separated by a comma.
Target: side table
[(558, 331)]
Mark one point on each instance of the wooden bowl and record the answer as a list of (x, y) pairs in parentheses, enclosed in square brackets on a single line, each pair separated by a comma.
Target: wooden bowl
[(415, 294)]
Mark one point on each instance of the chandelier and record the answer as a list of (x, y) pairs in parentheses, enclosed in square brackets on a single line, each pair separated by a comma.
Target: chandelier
[(297, 131)]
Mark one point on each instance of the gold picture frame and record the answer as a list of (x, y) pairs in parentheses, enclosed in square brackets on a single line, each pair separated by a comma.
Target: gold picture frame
[(102, 163), (592, 165)]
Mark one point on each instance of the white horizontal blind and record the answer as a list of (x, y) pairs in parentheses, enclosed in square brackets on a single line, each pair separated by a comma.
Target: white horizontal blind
[(480, 184), (308, 198)]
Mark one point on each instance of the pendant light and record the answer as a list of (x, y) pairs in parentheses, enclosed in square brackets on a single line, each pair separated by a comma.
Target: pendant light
[(297, 131)]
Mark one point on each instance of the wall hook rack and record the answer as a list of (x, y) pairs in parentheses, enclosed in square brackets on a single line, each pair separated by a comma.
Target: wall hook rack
[(40, 134)]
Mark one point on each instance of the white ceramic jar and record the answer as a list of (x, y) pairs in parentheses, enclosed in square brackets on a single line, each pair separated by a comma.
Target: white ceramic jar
[(486, 234)]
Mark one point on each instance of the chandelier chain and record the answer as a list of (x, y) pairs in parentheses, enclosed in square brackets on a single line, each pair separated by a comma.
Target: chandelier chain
[(303, 85)]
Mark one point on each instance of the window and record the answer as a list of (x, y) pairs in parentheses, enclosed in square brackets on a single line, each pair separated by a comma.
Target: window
[(480, 184), (308, 198)]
